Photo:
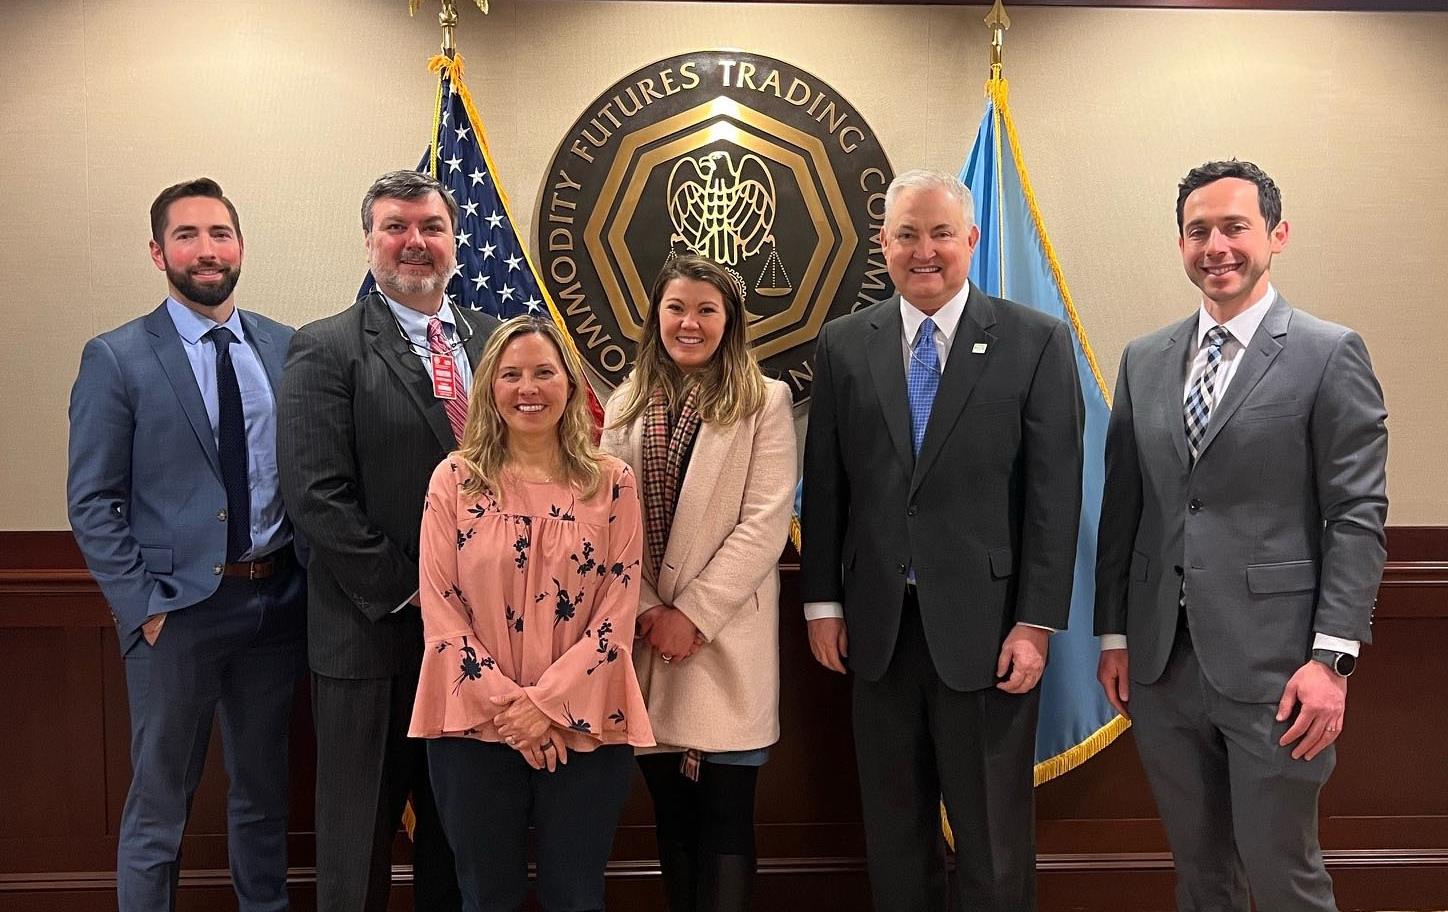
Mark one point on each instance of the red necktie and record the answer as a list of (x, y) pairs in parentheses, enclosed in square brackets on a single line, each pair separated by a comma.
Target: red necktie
[(457, 406)]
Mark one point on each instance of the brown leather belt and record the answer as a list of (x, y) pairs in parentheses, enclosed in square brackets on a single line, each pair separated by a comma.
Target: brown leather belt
[(253, 570)]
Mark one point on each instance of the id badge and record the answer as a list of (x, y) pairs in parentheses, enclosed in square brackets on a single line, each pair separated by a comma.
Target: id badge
[(444, 376)]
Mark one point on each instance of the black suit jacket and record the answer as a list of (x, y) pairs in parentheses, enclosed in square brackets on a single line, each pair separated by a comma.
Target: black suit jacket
[(359, 433), (987, 515)]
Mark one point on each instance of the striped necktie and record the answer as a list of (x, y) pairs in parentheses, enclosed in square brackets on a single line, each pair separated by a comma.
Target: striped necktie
[(457, 406), (1201, 399)]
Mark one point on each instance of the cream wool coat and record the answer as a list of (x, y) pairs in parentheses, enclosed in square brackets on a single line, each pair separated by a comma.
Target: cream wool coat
[(720, 569)]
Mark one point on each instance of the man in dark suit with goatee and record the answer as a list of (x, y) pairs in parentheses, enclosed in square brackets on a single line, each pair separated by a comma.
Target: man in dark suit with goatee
[(373, 399)]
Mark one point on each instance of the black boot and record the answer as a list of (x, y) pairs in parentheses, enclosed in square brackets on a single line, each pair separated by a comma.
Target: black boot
[(725, 883), (679, 865)]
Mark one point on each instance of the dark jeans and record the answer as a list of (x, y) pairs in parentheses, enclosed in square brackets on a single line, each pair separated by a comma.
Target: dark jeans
[(487, 796)]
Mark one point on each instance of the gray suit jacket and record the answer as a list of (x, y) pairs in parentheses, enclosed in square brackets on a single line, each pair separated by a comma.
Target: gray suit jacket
[(1278, 527), (144, 489), (358, 435), (987, 515)]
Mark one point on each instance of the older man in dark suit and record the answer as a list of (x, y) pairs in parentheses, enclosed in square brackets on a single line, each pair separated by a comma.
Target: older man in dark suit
[(373, 399), (1241, 546), (942, 488)]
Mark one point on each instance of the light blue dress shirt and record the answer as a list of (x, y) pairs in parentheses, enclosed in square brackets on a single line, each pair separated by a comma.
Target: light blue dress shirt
[(414, 325), (269, 527)]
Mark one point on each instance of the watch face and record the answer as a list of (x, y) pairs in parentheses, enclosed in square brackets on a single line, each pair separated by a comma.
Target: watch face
[(1345, 664)]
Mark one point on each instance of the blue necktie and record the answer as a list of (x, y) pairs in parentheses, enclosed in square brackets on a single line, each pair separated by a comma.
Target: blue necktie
[(922, 379), (231, 447)]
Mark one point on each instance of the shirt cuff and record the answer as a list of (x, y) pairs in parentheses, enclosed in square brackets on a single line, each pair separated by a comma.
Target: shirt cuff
[(814, 611), (1336, 644), (407, 601), (1038, 626), (1112, 641)]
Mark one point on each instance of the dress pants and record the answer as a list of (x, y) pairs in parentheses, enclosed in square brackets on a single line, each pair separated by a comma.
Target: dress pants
[(239, 655), (367, 768), (487, 795), (1237, 808), (916, 741)]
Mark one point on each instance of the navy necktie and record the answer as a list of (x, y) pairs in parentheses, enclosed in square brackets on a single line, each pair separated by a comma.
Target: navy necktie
[(231, 447)]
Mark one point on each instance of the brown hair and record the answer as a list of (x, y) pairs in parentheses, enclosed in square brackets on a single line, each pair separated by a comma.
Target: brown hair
[(201, 186)]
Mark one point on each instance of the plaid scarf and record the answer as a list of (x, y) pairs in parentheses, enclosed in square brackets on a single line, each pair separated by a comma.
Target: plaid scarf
[(665, 444)]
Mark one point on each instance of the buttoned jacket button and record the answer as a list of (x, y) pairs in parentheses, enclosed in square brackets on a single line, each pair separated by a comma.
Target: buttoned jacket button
[(900, 567), (218, 569), (221, 515), (1195, 506), (912, 511)]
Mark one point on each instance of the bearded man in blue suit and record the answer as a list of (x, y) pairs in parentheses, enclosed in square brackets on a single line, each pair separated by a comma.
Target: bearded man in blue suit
[(173, 498)]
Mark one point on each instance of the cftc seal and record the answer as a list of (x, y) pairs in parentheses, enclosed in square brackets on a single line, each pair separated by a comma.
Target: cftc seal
[(744, 159)]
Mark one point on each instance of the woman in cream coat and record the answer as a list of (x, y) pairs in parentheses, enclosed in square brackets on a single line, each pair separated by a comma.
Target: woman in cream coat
[(712, 443)]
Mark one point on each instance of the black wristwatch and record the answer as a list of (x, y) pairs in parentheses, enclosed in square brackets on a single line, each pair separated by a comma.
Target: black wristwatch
[(1342, 663)]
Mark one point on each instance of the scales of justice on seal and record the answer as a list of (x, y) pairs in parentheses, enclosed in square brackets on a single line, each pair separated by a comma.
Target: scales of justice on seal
[(724, 210)]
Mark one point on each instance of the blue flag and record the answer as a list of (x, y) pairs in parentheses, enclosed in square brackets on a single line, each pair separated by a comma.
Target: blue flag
[(1014, 260)]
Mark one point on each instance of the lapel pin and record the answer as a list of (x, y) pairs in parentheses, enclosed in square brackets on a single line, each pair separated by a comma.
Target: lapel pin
[(978, 348)]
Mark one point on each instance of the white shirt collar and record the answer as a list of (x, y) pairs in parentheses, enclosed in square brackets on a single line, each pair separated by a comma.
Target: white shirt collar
[(946, 318), (1244, 325), (414, 323)]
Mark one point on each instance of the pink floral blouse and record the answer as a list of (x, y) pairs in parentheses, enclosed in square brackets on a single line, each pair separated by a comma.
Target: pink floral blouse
[(538, 591)]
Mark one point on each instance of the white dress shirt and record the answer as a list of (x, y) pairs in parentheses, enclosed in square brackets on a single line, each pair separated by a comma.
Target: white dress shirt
[(1240, 330), (947, 320)]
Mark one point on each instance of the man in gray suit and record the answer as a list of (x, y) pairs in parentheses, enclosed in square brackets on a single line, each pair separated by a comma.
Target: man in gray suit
[(373, 399), (173, 498), (942, 486), (1241, 546)]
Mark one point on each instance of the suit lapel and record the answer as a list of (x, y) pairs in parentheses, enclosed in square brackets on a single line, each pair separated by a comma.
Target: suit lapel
[(166, 343), (268, 352), (711, 448), (1173, 369), (962, 370), (477, 335), (887, 368), (1257, 356), (392, 347)]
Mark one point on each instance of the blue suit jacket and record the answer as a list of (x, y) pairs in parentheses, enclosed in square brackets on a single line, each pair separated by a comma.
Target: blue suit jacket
[(144, 487)]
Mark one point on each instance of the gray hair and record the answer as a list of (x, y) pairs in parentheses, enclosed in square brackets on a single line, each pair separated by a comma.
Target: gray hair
[(923, 179), (406, 185)]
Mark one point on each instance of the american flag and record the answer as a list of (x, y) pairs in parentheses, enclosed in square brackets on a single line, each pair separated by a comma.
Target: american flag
[(493, 273)]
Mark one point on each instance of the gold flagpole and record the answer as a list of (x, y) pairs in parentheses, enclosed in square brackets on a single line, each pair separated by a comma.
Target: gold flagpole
[(997, 21), (447, 19)]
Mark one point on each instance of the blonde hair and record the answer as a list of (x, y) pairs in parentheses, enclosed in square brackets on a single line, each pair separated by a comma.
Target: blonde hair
[(731, 385), (484, 447)]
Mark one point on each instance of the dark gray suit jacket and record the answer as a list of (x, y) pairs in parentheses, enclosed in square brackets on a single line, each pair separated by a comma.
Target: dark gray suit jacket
[(1278, 527), (987, 516), (359, 433)]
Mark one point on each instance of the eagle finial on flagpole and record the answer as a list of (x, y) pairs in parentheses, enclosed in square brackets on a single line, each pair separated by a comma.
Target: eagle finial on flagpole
[(997, 21), (448, 19)]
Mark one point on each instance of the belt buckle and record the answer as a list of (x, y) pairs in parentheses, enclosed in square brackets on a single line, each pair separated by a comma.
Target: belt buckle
[(251, 570)]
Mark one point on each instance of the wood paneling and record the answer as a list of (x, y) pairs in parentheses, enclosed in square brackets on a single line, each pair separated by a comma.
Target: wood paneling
[(64, 767)]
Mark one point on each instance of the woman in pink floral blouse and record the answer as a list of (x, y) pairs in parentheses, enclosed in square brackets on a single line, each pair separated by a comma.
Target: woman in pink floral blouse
[(530, 553)]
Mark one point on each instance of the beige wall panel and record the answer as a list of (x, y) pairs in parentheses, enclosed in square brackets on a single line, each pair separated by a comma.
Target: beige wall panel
[(295, 107)]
